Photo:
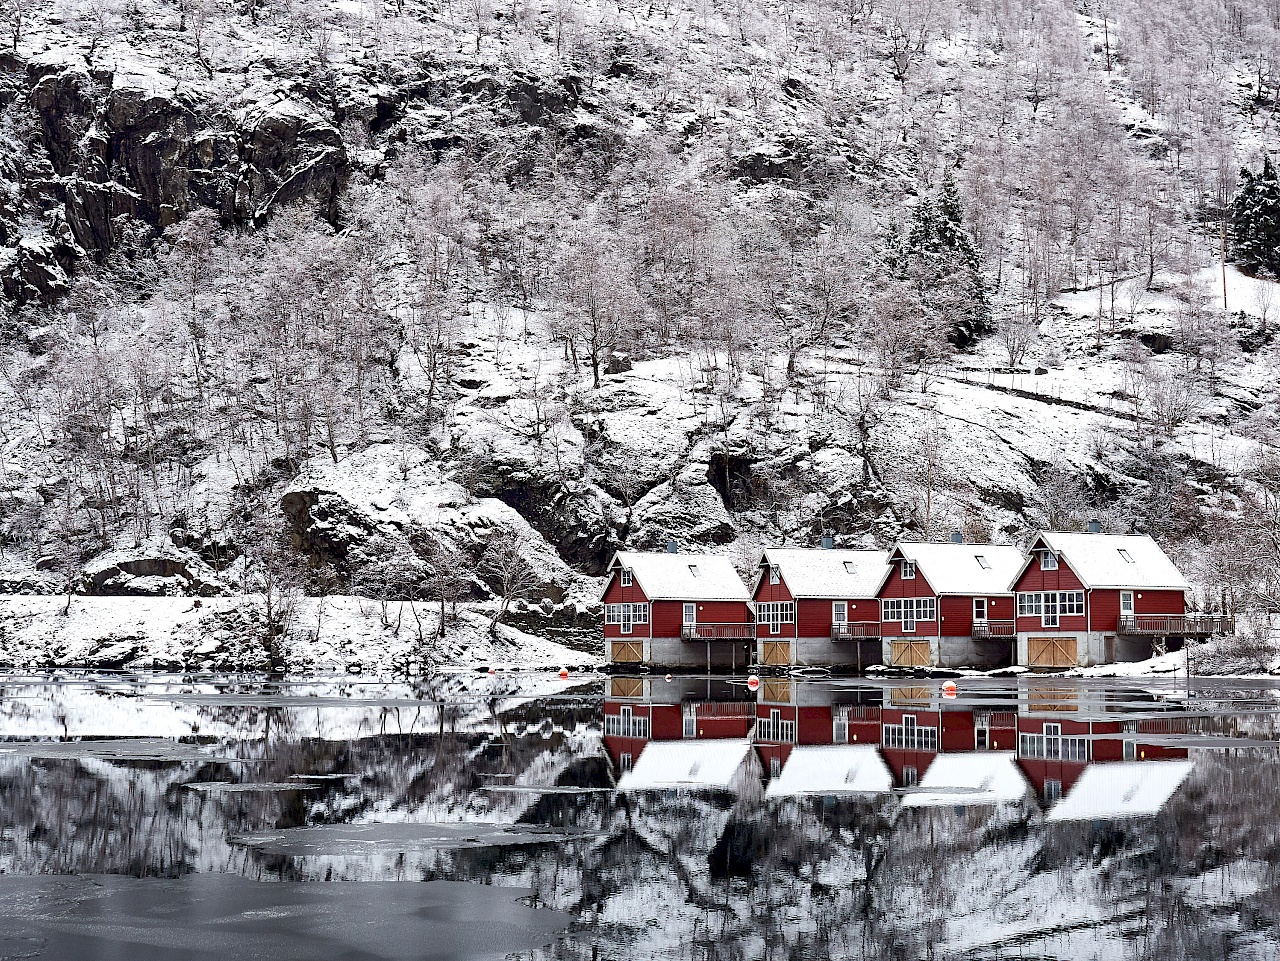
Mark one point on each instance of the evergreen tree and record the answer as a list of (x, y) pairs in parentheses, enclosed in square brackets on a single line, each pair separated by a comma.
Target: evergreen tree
[(941, 256), (1255, 221)]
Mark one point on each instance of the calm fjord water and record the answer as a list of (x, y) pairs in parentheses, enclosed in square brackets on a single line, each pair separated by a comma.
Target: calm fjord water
[(633, 817)]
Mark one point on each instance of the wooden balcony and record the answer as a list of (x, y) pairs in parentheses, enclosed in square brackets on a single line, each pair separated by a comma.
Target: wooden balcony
[(855, 631), (718, 632), (1176, 625), (993, 630)]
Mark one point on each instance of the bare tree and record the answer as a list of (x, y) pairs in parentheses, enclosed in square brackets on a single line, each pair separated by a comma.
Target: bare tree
[(505, 567)]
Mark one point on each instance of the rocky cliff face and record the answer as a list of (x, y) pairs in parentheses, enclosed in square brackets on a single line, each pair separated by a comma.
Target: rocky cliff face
[(402, 282)]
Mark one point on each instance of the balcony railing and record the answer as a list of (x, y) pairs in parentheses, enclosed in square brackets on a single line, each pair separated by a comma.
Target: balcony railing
[(1182, 625), (855, 630), (993, 630), (718, 632)]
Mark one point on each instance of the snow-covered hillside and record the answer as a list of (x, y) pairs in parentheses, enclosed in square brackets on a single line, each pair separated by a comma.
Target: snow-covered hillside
[(448, 301)]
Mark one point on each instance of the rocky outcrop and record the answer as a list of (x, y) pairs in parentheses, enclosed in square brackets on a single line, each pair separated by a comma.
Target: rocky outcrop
[(133, 147), (150, 571)]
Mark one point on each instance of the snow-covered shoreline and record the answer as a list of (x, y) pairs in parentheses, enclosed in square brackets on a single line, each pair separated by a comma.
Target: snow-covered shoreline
[(326, 635)]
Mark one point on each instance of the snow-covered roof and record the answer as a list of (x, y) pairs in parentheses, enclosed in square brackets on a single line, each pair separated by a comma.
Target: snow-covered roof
[(828, 573), (691, 765), (683, 577), (967, 569), (832, 769), (1130, 789), (974, 777), (1113, 560)]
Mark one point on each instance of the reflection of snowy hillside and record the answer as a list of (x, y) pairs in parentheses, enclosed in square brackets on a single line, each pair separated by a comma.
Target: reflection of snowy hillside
[(471, 778), (334, 297)]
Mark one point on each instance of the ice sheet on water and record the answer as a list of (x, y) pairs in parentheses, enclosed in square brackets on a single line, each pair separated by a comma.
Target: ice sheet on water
[(208, 916), (340, 840), (114, 749)]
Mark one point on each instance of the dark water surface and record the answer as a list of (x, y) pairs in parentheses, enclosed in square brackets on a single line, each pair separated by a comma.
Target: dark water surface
[(608, 818)]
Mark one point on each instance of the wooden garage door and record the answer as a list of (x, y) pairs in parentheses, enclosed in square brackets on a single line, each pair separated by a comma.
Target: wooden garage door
[(776, 690), (776, 653), (626, 687), (909, 653), (627, 652), (1051, 652)]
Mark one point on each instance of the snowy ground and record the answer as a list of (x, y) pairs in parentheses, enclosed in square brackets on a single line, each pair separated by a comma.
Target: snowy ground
[(328, 635)]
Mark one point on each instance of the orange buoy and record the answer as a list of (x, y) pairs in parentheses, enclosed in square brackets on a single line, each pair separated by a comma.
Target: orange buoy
[(668, 677), (949, 689), (564, 672), (753, 683), (492, 671)]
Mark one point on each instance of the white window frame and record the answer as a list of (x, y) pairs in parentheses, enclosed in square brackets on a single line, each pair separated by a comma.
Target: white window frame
[(1133, 607), (1049, 613), (775, 614), (839, 612), (980, 602), (689, 613), (775, 575), (908, 570), (982, 562), (1048, 561), (626, 615), (625, 578)]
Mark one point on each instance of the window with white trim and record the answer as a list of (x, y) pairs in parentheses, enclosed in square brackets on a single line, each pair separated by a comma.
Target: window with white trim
[(839, 612), (982, 562), (1049, 605), (774, 575), (1052, 791), (1048, 561), (909, 736), (626, 615), (910, 776), (849, 568), (691, 614), (625, 578), (775, 614), (908, 570), (1052, 745), (909, 608)]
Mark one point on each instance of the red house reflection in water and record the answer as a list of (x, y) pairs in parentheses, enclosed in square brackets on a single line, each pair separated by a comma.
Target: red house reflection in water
[(1055, 732)]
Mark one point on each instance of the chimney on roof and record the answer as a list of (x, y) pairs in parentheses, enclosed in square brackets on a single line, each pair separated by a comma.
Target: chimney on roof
[(1095, 527), (673, 547), (957, 537), (828, 541)]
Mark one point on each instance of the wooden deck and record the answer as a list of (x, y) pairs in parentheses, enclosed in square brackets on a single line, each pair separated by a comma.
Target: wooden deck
[(1176, 625), (855, 630), (993, 630), (718, 632)]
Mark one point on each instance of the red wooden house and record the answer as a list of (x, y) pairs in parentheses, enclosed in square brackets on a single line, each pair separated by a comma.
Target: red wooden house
[(1092, 598), (818, 607), (948, 605), (677, 610)]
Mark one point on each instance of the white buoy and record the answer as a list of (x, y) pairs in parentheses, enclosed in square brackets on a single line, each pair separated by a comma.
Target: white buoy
[(949, 689), (753, 683), (668, 677)]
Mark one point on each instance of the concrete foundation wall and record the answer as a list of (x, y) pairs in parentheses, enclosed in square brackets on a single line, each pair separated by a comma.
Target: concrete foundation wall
[(673, 652)]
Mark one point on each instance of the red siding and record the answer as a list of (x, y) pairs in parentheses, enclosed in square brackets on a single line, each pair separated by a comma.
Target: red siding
[(957, 616), (772, 593), (1034, 579), (917, 586), (1063, 579), (1103, 608), (668, 616), (1160, 602), (957, 731), (615, 593), (813, 725), (666, 723)]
